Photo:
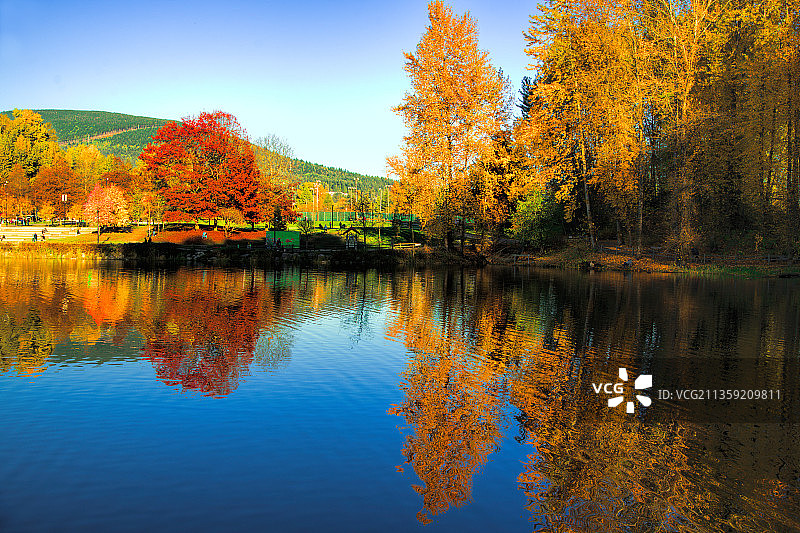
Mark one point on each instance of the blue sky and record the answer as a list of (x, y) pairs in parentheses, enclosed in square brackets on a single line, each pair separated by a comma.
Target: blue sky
[(322, 75)]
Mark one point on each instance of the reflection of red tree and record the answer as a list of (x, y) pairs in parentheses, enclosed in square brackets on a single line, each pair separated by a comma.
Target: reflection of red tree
[(106, 303), (204, 344)]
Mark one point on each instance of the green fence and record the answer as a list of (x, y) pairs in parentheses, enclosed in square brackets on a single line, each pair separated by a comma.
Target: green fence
[(352, 216)]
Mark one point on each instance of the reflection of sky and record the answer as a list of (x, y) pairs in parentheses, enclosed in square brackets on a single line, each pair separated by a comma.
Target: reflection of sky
[(309, 446), (98, 352), (324, 75)]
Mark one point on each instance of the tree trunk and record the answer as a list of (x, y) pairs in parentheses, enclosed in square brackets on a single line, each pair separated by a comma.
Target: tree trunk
[(639, 216), (686, 195), (768, 184), (629, 231), (791, 171), (592, 240), (463, 233), (796, 165), (761, 170)]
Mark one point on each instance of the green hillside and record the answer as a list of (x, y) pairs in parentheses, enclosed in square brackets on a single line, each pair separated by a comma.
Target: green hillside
[(337, 179), (126, 145), (74, 126)]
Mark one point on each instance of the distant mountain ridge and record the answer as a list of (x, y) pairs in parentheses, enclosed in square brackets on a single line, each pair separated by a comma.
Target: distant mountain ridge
[(126, 136)]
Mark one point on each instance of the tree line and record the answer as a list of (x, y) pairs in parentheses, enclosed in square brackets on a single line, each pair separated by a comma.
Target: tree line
[(203, 168), (653, 122)]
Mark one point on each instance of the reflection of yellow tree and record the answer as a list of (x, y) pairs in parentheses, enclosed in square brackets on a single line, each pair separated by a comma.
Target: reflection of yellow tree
[(601, 471), (610, 475), (452, 402), (24, 346), (476, 344), (618, 474), (456, 426)]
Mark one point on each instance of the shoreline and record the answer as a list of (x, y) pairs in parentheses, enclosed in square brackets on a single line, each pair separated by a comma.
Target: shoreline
[(254, 254)]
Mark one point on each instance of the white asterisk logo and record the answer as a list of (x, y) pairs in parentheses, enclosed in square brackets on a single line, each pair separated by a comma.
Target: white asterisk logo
[(645, 381)]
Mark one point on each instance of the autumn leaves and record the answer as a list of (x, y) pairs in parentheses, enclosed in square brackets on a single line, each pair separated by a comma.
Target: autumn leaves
[(201, 168), (205, 169), (457, 101), (651, 120)]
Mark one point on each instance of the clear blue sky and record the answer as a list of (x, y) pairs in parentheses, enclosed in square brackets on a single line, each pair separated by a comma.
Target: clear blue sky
[(323, 75)]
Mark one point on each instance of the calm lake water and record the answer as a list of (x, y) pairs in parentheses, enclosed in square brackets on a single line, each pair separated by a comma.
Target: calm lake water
[(210, 399)]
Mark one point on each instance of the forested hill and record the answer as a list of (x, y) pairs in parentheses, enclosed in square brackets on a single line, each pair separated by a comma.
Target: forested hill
[(126, 136), (78, 126), (337, 179)]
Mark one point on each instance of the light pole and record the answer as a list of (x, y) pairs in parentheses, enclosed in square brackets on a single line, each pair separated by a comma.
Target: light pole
[(64, 198), (330, 195), (380, 216), (316, 188)]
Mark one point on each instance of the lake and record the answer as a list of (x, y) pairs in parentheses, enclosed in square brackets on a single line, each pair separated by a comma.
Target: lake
[(204, 399)]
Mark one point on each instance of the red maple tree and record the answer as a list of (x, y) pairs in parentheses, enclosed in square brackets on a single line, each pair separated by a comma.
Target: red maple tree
[(202, 165)]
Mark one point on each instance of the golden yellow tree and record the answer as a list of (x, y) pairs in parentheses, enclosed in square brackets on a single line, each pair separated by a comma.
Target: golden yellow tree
[(683, 30), (457, 101)]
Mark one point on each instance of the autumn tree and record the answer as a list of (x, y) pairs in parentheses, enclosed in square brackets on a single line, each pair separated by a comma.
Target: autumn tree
[(26, 141), (17, 182), (743, 149), (117, 172), (587, 116), (683, 31), (566, 115), (202, 165), (456, 102), (56, 185), (75, 212), (87, 163), (279, 199), (231, 217), (46, 212), (499, 179), (275, 160), (106, 206)]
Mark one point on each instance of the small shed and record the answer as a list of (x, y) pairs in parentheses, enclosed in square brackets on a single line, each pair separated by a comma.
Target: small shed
[(350, 238)]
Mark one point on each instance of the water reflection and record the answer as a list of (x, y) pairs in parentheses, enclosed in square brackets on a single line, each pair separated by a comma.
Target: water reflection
[(202, 328), (490, 350), (494, 360)]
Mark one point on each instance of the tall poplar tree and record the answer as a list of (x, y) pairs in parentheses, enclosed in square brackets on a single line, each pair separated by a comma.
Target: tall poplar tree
[(456, 102)]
